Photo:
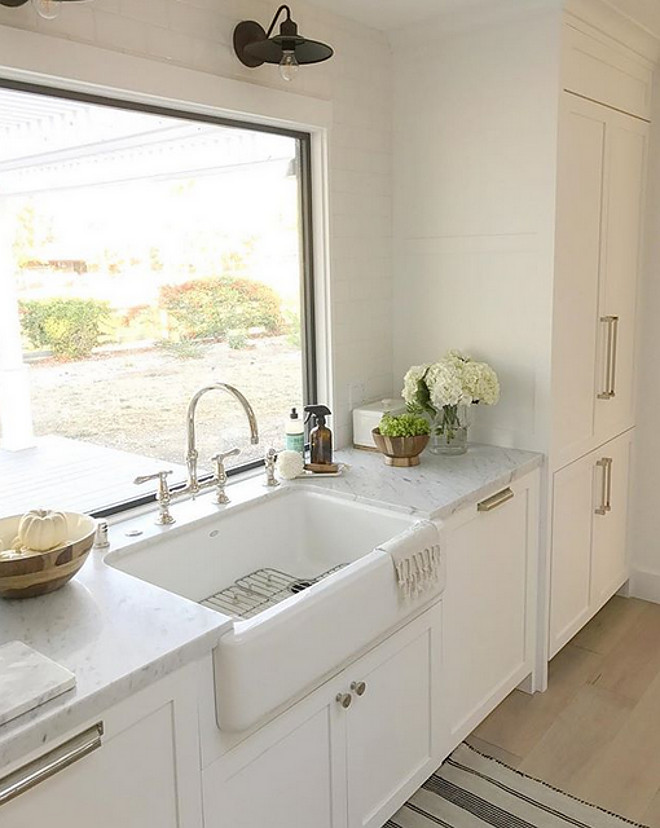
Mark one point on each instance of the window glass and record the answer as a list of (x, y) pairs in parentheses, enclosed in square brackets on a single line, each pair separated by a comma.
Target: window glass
[(144, 256)]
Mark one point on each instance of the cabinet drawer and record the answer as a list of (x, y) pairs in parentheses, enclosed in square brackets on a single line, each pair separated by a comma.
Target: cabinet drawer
[(129, 780)]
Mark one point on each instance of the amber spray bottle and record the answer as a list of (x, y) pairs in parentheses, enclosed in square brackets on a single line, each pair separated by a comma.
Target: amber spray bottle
[(320, 436)]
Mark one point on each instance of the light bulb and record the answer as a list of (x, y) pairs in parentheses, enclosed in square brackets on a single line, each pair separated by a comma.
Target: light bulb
[(289, 65), (48, 9)]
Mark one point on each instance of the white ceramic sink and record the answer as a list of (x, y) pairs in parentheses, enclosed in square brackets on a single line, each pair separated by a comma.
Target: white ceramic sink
[(283, 648)]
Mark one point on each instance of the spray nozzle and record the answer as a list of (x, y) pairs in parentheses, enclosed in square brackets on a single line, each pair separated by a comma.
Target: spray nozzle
[(319, 412)]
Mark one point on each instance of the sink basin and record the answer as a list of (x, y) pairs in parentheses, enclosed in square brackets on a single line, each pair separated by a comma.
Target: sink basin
[(312, 591), (294, 531)]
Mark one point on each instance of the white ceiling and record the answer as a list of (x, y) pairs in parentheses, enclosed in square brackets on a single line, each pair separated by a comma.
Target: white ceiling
[(395, 14)]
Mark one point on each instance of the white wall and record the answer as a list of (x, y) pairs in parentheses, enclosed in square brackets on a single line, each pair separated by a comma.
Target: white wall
[(475, 122), (197, 34), (645, 515)]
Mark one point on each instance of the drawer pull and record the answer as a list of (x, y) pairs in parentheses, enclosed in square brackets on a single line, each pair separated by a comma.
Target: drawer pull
[(605, 463), (495, 500), (359, 687), (50, 763)]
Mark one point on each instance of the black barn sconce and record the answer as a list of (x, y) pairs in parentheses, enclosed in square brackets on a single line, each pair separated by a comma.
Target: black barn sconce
[(255, 46)]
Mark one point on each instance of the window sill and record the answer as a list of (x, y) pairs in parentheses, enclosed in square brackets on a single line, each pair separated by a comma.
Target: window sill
[(71, 475)]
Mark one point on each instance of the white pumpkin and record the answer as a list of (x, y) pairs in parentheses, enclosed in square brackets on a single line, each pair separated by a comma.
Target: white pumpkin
[(42, 529)]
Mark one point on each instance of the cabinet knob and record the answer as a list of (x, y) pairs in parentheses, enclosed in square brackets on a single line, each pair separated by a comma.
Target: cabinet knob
[(344, 700), (359, 687)]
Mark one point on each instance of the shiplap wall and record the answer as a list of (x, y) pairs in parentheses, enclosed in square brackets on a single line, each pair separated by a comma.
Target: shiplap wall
[(197, 34), (474, 194)]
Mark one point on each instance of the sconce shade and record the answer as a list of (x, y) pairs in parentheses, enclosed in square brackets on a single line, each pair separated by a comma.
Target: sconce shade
[(254, 45)]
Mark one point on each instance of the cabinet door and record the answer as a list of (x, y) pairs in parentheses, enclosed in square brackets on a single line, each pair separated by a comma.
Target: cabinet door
[(609, 552), (289, 782), (489, 606), (572, 524), (391, 725), (577, 259), (625, 163), (589, 526)]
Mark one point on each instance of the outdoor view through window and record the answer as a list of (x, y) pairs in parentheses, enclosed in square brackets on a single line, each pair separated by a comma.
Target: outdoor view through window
[(142, 257)]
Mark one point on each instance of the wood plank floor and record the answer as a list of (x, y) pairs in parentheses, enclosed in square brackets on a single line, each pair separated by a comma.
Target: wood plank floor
[(595, 733)]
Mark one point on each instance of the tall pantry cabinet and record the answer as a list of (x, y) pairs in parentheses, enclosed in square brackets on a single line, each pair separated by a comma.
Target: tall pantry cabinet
[(602, 156)]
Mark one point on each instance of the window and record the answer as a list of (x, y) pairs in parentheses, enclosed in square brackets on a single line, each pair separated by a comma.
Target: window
[(145, 253)]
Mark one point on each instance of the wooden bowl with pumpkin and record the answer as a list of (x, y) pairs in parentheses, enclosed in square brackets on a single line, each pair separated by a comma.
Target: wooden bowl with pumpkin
[(41, 550)]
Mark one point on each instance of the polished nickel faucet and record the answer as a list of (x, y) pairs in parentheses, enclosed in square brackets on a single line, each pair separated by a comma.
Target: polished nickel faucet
[(192, 454), (219, 478)]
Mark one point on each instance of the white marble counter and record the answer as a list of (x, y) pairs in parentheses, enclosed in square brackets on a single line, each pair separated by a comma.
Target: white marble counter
[(118, 634), (436, 488), (115, 633)]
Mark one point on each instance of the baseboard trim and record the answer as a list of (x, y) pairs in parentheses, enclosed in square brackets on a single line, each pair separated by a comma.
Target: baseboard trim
[(645, 584)]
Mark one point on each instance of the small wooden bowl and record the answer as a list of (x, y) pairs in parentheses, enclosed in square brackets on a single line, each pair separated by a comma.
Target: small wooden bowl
[(401, 451), (44, 571)]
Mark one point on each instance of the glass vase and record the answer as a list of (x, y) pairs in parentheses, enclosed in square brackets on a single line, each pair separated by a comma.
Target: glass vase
[(449, 430)]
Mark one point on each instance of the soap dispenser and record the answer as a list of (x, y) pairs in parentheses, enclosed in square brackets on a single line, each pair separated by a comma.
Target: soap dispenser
[(320, 436), (295, 433)]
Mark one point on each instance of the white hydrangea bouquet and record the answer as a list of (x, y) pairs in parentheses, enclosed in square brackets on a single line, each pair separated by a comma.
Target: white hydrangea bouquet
[(444, 391)]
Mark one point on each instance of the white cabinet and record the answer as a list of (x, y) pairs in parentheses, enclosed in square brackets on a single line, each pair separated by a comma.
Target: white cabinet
[(389, 728), (625, 164), (489, 604), (347, 756), (589, 525), (289, 779), (143, 770), (602, 159)]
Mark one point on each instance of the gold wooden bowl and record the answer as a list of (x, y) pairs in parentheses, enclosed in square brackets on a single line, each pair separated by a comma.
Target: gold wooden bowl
[(400, 451), (43, 572)]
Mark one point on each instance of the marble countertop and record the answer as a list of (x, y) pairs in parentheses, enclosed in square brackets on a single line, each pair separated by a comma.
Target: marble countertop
[(436, 488), (118, 634), (115, 633)]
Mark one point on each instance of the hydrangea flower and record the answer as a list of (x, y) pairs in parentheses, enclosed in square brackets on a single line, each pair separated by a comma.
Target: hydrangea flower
[(455, 380)]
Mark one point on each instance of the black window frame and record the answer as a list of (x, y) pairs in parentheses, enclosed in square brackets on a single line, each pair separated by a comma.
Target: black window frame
[(307, 299)]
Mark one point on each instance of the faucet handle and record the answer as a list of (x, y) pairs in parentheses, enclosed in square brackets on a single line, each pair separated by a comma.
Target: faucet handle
[(161, 476), (222, 456), (163, 496), (221, 473), (269, 464)]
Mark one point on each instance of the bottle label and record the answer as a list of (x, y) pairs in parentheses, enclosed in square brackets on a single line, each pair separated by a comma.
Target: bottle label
[(295, 442)]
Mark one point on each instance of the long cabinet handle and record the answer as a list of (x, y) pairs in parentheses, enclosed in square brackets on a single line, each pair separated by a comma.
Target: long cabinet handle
[(612, 323), (605, 463), (50, 763), (495, 500)]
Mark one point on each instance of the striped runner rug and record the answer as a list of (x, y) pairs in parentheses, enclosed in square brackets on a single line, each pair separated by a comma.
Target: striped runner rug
[(471, 790)]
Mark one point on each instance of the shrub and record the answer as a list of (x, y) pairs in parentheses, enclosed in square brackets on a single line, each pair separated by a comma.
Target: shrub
[(71, 328), (211, 308), (237, 340), (184, 349), (293, 329)]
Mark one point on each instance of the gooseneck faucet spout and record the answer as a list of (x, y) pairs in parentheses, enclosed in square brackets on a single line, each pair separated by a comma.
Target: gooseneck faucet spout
[(191, 445)]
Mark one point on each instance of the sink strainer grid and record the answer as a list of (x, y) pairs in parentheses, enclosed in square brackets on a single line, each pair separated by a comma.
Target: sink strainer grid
[(259, 590)]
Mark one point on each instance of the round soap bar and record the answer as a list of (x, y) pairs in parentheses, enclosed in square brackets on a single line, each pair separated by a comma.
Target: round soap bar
[(290, 464)]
